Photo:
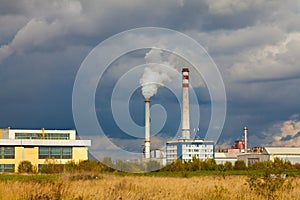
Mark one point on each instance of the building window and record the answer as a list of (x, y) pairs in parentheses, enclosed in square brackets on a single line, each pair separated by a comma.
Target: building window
[(7, 152), (46, 136), (7, 167), (55, 152)]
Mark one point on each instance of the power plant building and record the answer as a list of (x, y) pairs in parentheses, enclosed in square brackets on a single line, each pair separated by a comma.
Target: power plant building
[(291, 154), (187, 149), (37, 146)]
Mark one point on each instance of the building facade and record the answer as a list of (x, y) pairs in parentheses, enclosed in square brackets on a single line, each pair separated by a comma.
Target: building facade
[(223, 157), (37, 146), (187, 149), (291, 154)]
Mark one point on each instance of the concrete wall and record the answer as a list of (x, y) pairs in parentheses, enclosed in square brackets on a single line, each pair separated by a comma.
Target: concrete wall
[(249, 158)]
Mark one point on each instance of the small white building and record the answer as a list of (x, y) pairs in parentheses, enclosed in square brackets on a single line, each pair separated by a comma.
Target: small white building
[(186, 149), (291, 154), (223, 157)]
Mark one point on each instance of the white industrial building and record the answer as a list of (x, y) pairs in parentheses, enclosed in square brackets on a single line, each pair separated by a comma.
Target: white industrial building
[(291, 154), (187, 149), (222, 157)]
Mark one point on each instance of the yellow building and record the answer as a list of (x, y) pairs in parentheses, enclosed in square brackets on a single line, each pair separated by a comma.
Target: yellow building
[(37, 146)]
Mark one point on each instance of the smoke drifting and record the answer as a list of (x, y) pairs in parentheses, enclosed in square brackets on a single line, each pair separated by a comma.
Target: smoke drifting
[(157, 73)]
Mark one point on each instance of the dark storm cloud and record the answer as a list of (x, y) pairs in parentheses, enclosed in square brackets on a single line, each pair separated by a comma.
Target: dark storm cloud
[(255, 44)]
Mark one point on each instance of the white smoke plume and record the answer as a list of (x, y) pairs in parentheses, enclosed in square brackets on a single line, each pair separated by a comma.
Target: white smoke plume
[(157, 73)]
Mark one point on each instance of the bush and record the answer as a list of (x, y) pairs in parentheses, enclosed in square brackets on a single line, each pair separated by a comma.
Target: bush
[(51, 167), (270, 184), (71, 166), (91, 166), (26, 167), (239, 165), (228, 165), (209, 164), (152, 165)]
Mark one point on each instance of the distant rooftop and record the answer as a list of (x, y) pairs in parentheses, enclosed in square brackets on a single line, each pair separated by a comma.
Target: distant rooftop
[(282, 150)]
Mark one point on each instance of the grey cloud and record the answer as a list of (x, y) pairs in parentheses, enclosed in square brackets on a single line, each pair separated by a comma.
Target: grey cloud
[(254, 43)]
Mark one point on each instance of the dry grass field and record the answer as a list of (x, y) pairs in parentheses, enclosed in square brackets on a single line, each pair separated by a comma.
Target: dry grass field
[(139, 187)]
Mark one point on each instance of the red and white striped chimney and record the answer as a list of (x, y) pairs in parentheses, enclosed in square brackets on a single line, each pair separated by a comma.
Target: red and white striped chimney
[(185, 118), (147, 128)]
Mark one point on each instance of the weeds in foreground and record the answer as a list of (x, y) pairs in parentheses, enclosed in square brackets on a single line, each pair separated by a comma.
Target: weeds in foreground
[(271, 183), (91, 186)]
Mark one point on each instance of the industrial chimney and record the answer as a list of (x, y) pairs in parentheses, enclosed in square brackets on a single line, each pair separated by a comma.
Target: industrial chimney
[(147, 128), (246, 138), (185, 119)]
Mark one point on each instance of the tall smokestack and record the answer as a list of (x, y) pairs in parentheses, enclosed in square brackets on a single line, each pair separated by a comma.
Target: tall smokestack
[(147, 128), (185, 119), (246, 138)]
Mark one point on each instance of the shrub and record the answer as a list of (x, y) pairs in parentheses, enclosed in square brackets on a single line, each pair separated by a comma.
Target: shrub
[(210, 164), (26, 167), (51, 167), (239, 165), (71, 166), (108, 164), (270, 184), (228, 165), (91, 166), (152, 165)]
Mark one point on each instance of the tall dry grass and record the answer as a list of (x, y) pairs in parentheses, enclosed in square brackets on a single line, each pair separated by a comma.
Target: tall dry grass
[(138, 187)]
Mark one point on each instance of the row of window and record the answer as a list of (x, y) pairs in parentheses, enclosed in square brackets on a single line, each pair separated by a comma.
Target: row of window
[(7, 152), (198, 155), (198, 150), (44, 152), (7, 167), (55, 152), (46, 136)]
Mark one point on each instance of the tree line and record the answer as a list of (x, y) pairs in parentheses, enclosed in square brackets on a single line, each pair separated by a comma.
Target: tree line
[(107, 165)]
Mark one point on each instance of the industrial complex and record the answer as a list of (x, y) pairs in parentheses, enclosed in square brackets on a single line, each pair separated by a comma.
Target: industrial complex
[(186, 148), (37, 146)]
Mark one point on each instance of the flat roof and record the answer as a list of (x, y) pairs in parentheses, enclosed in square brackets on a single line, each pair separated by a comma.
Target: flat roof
[(189, 141), (220, 155), (37, 142), (283, 150)]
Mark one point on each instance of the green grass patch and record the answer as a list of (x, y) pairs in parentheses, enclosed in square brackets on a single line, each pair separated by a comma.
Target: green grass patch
[(29, 177)]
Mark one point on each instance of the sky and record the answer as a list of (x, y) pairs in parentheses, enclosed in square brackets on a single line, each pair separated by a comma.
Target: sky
[(255, 45)]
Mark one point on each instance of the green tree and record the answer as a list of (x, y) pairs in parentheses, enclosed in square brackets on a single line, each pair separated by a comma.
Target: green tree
[(91, 166), (211, 164), (152, 165), (71, 166), (228, 165), (26, 167), (175, 166), (109, 165), (195, 165), (51, 166), (239, 165)]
